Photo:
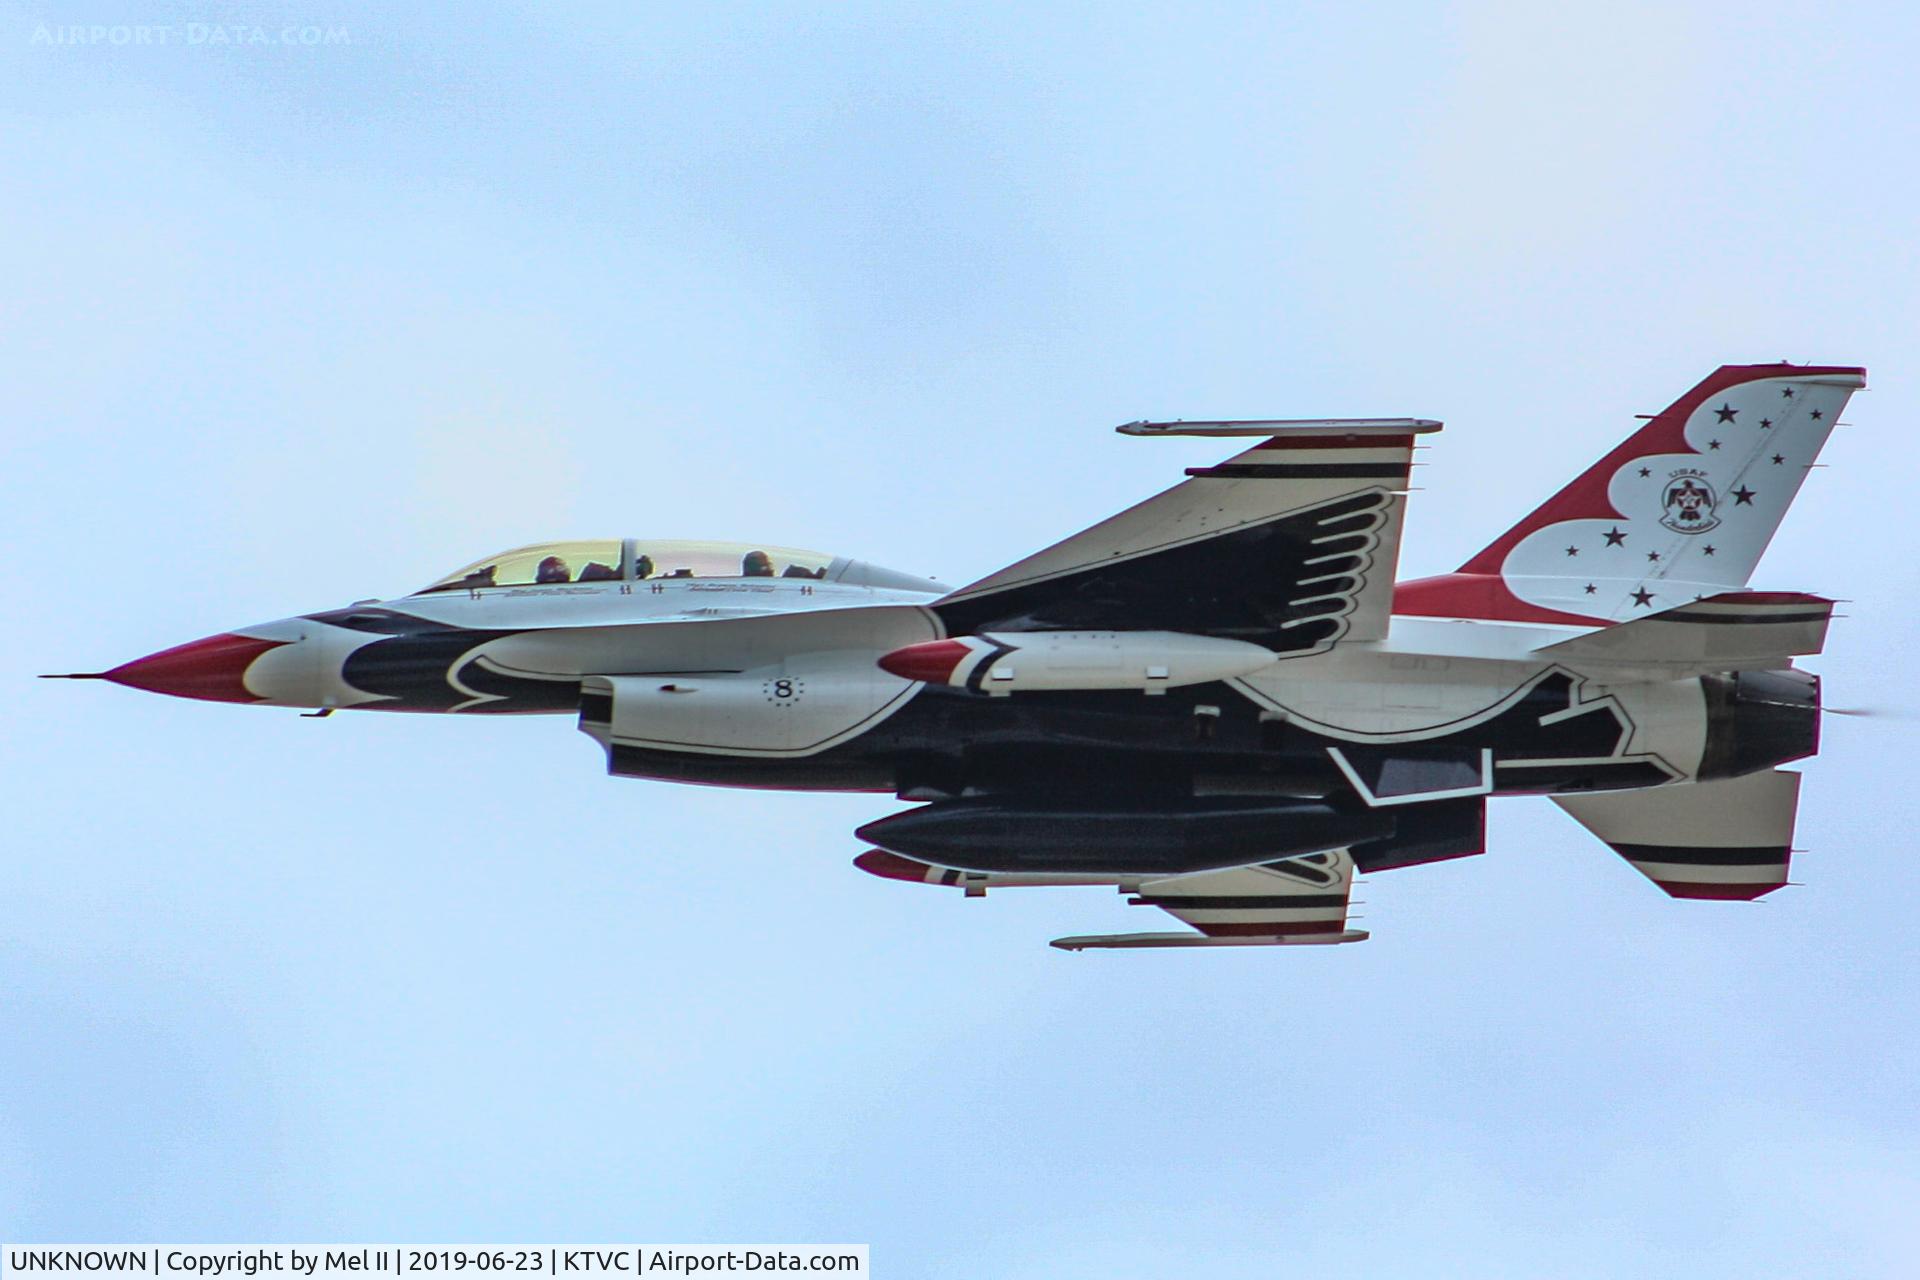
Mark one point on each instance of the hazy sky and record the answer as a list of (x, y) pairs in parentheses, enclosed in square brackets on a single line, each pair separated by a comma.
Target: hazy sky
[(283, 327)]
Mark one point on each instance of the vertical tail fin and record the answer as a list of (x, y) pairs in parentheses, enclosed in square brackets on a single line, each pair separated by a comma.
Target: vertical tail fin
[(1682, 508)]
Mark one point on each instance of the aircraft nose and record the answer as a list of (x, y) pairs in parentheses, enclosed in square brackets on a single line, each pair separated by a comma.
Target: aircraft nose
[(213, 669)]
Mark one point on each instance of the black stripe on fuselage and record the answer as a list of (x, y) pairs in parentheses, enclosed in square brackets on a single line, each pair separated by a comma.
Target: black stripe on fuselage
[(417, 664), (979, 672)]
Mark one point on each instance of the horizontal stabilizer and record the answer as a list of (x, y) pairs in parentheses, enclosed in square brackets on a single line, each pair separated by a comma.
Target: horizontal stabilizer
[(1726, 839), (1733, 630)]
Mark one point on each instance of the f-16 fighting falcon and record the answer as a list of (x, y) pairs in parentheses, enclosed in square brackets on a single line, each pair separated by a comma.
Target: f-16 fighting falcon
[(1218, 701)]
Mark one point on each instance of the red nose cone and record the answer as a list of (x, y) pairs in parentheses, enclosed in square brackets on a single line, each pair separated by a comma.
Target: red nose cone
[(932, 662), (213, 669)]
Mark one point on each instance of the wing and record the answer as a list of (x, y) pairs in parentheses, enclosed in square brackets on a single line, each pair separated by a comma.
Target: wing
[(1285, 901), (1728, 839), (1299, 900), (1291, 544)]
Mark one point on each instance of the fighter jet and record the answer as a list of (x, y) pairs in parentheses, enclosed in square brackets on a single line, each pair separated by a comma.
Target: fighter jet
[(1219, 701)]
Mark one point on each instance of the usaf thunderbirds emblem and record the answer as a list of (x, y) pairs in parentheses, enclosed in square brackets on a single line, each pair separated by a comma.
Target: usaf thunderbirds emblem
[(1689, 502)]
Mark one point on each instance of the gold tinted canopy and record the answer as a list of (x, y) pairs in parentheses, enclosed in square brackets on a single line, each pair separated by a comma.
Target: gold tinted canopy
[(631, 560)]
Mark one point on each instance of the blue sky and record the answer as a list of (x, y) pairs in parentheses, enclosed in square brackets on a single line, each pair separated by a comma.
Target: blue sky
[(288, 327)]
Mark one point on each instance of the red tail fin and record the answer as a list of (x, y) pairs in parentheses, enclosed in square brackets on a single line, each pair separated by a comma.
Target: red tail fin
[(1682, 508)]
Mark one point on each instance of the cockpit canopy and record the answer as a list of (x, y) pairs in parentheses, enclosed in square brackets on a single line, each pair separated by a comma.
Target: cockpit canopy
[(635, 559)]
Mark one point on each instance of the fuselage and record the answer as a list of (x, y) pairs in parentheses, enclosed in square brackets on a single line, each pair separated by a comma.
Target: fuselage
[(775, 682)]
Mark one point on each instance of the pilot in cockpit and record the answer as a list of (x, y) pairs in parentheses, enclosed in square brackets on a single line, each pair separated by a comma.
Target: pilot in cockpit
[(553, 569), (756, 564), (597, 572)]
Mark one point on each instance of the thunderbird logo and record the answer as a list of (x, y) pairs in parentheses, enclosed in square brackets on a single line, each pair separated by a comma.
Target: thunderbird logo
[(1689, 503)]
